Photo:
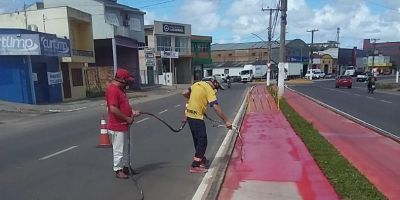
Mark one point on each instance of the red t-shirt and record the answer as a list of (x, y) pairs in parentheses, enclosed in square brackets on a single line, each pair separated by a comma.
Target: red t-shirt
[(116, 96)]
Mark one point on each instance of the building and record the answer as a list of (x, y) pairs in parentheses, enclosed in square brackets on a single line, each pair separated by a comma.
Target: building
[(64, 22), (238, 54), (30, 66), (201, 53), (391, 49), (117, 31), (171, 46)]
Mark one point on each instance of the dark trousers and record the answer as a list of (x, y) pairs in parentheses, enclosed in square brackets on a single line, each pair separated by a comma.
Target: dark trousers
[(199, 134)]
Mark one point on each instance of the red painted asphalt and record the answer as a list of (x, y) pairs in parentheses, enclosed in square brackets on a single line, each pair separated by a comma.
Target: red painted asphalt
[(374, 155), (272, 153)]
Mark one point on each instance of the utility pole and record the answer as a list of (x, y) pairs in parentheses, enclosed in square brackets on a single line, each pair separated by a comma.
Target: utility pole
[(282, 50), (338, 44), (373, 54), (44, 24), (26, 17), (311, 52), (269, 42)]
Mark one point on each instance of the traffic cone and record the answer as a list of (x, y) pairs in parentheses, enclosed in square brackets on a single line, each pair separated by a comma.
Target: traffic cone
[(104, 139)]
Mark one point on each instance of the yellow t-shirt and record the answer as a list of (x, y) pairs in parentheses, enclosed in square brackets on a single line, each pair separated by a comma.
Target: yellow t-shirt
[(201, 95)]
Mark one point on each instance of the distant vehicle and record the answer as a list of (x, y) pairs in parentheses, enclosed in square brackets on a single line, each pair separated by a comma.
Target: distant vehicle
[(344, 81), (350, 71), (220, 77), (293, 70), (362, 77), (316, 73), (329, 76), (251, 72)]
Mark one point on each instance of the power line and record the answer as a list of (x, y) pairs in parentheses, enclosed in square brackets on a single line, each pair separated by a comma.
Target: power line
[(155, 4)]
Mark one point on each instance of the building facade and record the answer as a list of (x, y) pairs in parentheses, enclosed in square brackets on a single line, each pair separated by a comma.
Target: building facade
[(64, 22), (391, 49), (201, 53), (171, 45), (117, 31), (234, 55), (30, 66)]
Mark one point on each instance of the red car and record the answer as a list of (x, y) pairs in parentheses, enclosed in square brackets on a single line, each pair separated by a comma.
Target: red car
[(344, 81)]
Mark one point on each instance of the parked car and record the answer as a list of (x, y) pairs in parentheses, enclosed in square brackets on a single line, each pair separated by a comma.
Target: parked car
[(344, 81), (362, 77), (316, 73), (220, 78)]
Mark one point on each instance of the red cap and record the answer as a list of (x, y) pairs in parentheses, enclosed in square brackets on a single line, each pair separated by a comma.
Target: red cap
[(123, 74)]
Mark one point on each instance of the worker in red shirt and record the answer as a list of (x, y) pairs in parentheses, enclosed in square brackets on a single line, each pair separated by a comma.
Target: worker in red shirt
[(120, 117)]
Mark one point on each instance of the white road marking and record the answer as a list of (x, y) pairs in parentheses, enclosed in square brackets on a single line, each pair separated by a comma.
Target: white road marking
[(177, 105), (357, 95), (163, 111), (57, 153), (142, 120), (386, 101), (370, 97)]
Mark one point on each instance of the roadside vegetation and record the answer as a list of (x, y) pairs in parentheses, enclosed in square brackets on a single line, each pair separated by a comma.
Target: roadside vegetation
[(348, 182)]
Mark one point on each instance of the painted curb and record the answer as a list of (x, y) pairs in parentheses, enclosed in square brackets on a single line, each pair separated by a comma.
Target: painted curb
[(350, 117), (211, 184)]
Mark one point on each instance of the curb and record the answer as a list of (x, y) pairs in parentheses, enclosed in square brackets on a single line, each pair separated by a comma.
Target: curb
[(352, 118), (211, 184)]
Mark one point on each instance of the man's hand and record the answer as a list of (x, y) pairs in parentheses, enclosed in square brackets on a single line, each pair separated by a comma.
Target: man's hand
[(228, 124), (129, 120), (136, 113)]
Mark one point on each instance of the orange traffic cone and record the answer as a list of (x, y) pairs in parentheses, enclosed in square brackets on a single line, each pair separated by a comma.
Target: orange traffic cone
[(104, 139)]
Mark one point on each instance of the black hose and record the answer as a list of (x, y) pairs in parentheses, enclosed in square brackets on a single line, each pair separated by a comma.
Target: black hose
[(165, 123)]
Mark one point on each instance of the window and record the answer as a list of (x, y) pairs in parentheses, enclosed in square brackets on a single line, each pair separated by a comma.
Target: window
[(146, 40), (112, 19), (181, 44), (77, 77), (265, 53), (253, 54), (226, 71), (230, 55), (163, 43), (204, 48), (219, 55), (135, 24)]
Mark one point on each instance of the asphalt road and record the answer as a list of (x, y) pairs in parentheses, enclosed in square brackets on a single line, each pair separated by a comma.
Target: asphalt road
[(54, 156), (380, 109)]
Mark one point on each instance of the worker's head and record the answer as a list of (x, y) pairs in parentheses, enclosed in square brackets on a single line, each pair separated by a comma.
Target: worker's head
[(123, 77), (216, 84)]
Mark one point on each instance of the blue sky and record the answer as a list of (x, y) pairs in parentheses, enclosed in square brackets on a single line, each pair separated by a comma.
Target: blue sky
[(236, 20)]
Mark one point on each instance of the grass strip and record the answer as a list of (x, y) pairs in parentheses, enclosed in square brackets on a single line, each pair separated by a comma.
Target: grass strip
[(348, 182)]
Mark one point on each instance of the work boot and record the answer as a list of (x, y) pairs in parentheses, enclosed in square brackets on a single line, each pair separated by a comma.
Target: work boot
[(205, 163), (129, 172), (120, 174), (198, 169)]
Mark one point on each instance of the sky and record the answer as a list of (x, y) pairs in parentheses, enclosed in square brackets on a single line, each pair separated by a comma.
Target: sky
[(241, 20)]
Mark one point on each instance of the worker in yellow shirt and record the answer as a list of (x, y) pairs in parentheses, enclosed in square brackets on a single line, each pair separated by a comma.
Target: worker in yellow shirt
[(200, 95)]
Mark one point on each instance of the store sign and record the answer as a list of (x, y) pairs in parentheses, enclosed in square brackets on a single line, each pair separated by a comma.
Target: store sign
[(54, 78), (19, 44), (53, 46), (34, 44), (169, 54), (172, 28)]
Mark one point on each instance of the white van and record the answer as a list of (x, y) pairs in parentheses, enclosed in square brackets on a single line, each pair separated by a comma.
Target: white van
[(316, 73)]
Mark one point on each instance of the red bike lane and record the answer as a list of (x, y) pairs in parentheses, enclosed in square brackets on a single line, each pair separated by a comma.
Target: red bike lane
[(270, 161), (374, 155)]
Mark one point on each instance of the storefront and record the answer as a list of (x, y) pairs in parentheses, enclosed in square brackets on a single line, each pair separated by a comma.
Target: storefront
[(30, 66)]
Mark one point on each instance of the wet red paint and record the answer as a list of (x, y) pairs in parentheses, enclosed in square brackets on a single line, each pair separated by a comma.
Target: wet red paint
[(374, 155), (273, 152)]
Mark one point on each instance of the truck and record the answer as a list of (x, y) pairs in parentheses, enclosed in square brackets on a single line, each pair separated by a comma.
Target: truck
[(293, 70), (251, 72)]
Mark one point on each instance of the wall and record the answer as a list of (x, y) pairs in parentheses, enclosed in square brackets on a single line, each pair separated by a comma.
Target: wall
[(77, 92), (15, 85), (101, 29)]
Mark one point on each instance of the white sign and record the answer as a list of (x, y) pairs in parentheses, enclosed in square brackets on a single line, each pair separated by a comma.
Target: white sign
[(34, 77), (169, 54), (54, 78)]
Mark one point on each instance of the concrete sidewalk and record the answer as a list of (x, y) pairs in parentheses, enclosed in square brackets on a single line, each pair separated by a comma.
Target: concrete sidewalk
[(69, 106), (271, 161)]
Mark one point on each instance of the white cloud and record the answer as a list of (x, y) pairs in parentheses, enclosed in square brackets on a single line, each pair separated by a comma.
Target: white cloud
[(203, 15)]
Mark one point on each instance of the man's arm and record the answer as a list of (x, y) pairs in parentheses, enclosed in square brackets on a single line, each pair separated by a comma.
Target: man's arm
[(186, 93), (120, 115), (222, 115)]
